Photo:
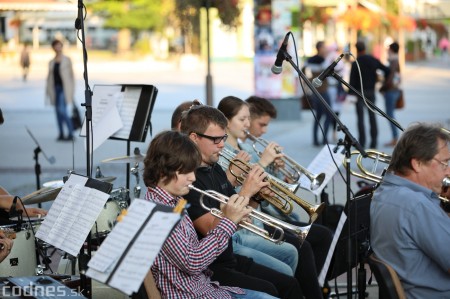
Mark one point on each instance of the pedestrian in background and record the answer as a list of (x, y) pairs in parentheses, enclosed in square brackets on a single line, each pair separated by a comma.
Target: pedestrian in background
[(335, 90), (25, 61), (369, 66), (60, 89), (391, 89), (315, 65)]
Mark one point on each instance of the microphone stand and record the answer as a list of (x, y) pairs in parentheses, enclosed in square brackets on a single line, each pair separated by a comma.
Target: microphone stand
[(37, 166), (85, 282), (371, 104), (348, 142)]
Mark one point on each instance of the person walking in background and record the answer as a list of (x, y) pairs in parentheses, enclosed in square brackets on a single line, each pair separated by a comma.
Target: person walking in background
[(369, 66), (60, 88), (25, 61), (391, 88), (315, 65), (335, 90), (443, 47)]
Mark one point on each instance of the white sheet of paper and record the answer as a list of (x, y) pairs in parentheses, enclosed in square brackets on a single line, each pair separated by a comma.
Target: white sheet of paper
[(72, 215), (337, 233), (136, 262), (107, 126), (127, 110), (322, 163)]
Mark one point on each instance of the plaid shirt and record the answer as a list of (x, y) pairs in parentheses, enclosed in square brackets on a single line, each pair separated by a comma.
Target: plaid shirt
[(181, 267)]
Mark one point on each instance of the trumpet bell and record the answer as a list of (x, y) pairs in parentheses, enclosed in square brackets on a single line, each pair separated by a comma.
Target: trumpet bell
[(317, 181)]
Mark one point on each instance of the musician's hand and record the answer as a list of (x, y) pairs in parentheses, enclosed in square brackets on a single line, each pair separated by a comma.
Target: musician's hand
[(254, 181), (243, 155), (5, 246), (237, 172), (35, 212), (270, 153), (236, 208)]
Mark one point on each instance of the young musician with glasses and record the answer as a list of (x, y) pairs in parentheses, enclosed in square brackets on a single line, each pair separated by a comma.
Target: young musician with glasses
[(280, 257), (180, 270), (206, 126), (409, 230), (309, 255)]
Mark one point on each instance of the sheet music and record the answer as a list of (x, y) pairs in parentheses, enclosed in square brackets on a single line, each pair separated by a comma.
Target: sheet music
[(127, 110), (323, 163), (337, 233), (124, 269), (72, 215)]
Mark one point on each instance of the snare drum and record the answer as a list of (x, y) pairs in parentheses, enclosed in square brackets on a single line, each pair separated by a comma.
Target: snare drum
[(108, 216), (21, 261)]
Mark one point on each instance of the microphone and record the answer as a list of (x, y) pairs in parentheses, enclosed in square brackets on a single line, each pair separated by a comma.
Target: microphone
[(318, 81), (277, 67), (80, 16)]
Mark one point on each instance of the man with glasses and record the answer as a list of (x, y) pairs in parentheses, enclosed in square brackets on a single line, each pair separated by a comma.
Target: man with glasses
[(206, 126), (409, 229)]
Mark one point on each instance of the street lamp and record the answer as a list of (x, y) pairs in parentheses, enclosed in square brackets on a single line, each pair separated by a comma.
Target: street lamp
[(209, 90)]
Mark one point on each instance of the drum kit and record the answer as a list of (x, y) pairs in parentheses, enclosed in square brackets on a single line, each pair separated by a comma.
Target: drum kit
[(27, 250)]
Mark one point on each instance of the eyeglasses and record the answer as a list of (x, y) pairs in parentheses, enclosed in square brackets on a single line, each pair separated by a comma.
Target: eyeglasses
[(215, 139), (444, 164)]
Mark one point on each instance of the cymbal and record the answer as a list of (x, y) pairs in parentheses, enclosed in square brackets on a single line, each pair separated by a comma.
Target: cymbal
[(60, 183), (126, 159), (42, 195)]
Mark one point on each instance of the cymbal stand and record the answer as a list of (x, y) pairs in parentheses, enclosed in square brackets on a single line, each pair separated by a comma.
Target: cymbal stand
[(137, 188), (37, 166)]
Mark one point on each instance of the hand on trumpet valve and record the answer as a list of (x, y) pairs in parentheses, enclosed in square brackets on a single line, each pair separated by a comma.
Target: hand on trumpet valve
[(271, 152), (254, 181), (236, 208)]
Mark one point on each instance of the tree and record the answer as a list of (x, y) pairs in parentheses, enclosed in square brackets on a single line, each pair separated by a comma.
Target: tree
[(133, 16)]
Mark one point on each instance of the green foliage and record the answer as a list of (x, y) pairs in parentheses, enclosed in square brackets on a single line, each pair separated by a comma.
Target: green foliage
[(132, 14), (142, 46), (228, 11)]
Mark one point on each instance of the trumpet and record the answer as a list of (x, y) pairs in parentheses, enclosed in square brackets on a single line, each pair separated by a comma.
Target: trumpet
[(293, 170), (365, 173), (283, 199), (229, 155), (279, 226), (385, 158)]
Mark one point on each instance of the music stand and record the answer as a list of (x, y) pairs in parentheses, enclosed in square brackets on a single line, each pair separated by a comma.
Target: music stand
[(134, 103), (358, 214)]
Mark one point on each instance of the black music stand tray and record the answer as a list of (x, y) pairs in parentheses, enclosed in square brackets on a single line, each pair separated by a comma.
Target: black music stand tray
[(359, 214)]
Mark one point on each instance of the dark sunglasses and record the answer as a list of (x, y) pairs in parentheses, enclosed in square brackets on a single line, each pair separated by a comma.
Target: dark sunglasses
[(215, 139)]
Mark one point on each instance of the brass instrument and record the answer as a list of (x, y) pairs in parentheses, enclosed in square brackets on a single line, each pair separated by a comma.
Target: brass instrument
[(385, 158), (365, 173), (229, 155), (283, 196), (279, 226), (445, 202), (294, 170)]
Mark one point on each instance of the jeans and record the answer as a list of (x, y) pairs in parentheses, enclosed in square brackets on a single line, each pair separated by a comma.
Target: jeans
[(282, 258), (62, 116), (250, 294), (321, 112), (391, 98), (360, 108)]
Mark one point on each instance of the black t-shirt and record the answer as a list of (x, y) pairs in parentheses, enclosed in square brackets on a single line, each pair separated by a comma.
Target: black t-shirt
[(211, 178)]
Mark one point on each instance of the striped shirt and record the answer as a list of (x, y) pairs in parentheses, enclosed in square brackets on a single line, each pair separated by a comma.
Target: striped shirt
[(181, 267)]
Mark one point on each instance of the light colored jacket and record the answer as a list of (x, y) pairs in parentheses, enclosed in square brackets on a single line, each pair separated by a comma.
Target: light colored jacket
[(67, 77)]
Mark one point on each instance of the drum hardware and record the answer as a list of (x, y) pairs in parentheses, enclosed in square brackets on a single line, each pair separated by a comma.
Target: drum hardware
[(137, 158), (137, 188)]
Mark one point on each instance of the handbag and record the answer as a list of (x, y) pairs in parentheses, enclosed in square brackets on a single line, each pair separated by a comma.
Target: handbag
[(76, 118), (400, 101)]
